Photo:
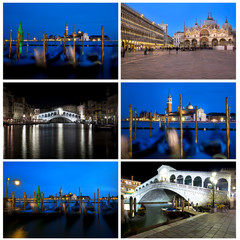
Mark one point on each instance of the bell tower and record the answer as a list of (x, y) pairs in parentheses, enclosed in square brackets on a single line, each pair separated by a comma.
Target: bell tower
[(66, 30), (169, 103)]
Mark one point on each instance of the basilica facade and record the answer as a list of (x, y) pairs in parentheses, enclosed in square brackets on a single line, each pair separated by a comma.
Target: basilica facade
[(209, 35)]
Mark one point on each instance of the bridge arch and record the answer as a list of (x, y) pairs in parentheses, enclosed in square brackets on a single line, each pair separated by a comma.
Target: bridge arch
[(222, 184), (207, 182), (173, 178), (180, 179), (188, 180), (197, 182)]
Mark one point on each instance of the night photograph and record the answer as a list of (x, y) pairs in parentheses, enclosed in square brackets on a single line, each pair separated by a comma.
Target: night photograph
[(60, 120), (60, 41), (60, 199), (178, 40), (159, 199), (178, 120)]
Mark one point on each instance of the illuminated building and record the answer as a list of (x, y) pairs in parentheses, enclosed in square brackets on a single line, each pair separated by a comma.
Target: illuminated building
[(220, 117), (209, 34), (138, 32), (128, 186)]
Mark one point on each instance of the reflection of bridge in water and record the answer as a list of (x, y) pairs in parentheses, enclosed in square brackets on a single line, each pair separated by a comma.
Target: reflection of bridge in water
[(193, 185), (59, 115)]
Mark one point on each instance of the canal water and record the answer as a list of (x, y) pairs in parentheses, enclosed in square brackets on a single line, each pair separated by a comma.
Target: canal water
[(61, 67), (59, 141), (96, 227), (154, 216), (203, 135)]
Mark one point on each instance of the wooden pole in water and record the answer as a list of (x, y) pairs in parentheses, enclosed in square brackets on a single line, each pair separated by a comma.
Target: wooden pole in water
[(227, 126), (130, 130), (98, 199), (74, 56), (195, 124), (183, 204), (165, 124), (82, 43), (181, 128), (46, 43), (228, 140), (44, 53), (59, 202), (102, 46), (18, 50), (108, 199), (64, 43), (135, 127), (24, 201), (27, 42), (150, 123), (10, 46), (55, 38), (79, 200), (13, 201), (188, 203)]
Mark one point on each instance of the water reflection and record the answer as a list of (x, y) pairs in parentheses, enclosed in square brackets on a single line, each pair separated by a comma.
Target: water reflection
[(58, 140)]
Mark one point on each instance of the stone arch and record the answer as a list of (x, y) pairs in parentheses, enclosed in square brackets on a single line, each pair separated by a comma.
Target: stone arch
[(172, 178), (194, 43), (55, 113), (222, 184), (204, 43), (223, 42), (214, 42), (187, 44), (207, 183), (147, 184), (180, 179), (197, 182), (151, 182), (156, 180), (188, 180), (230, 41), (45, 115), (204, 33), (136, 190)]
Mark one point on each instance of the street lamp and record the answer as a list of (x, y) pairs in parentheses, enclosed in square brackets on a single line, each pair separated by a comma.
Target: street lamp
[(15, 181), (214, 182)]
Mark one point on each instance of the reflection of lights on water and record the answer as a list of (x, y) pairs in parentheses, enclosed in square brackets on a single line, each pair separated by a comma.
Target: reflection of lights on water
[(60, 140), (19, 233), (24, 142)]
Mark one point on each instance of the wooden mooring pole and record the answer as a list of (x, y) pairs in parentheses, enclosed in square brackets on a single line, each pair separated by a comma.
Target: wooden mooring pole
[(74, 49), (24, 201), (102, 46), (227, 131), (10, 45), (195, 124), (18, 47), (98, 199), (64, 43), (135, 127), (27, 42), (131, 206), (79, 192), (44, 53), (13, 201), (151, 123), (165, 125), (130, 130), (82, 43), (228, 140), (181, 129), (46, 43)]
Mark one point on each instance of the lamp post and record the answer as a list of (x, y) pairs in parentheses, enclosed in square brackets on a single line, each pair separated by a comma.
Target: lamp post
[(214, 183), (15, 181)]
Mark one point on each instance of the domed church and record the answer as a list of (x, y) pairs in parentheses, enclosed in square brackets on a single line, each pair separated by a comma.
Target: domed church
[(209, 34)]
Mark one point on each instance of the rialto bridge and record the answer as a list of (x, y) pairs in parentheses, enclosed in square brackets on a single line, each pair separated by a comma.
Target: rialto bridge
[(193, 185), (59, 113)]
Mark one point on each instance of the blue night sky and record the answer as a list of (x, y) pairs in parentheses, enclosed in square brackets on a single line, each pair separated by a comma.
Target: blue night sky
[(153, 96), (52, 18), (50, 176), (174, 14)]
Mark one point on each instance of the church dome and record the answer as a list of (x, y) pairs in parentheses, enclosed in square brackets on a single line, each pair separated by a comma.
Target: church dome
[(196, 26), (189, 106), (227, 25), (210, 23)]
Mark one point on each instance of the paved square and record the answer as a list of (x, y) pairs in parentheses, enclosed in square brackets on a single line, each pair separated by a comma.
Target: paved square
[(200, 64), (207, 225)]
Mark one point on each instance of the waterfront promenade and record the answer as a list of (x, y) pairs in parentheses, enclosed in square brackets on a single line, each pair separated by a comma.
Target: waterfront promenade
[(200, 64), (206, 225)]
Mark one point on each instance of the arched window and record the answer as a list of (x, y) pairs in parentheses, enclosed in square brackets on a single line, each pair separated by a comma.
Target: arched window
[(222, 184), (173, 179), (197, 182), (188, 180), (207, 183), (180, 179)]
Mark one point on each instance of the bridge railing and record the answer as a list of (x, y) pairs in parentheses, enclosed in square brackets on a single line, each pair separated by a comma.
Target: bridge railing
[(176, 186)]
